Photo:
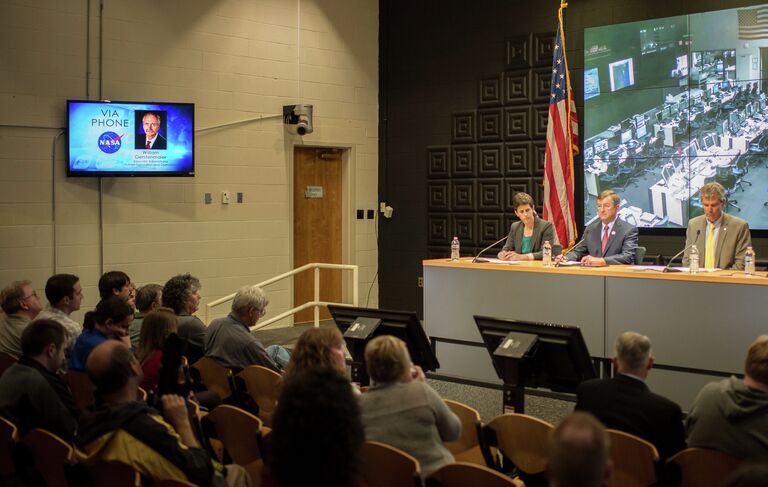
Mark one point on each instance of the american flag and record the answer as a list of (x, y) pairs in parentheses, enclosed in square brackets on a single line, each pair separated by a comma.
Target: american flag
[(562, 143), (753, 23)]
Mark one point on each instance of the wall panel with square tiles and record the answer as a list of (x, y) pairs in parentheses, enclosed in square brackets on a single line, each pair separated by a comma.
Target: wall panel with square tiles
[(497, 149)]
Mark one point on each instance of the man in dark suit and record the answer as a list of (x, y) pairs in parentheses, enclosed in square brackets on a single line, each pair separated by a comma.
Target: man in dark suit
[(609, 240), (625, 403), (151, 138)]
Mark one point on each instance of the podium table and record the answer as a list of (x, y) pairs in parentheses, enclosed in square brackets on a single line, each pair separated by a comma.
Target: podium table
[(700, 325)]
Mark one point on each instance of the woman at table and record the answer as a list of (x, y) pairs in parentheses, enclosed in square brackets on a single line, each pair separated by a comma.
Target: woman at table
[(527, 236)]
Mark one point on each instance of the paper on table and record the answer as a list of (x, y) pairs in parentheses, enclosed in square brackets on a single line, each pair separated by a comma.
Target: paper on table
[(499, 261), (661, 268)]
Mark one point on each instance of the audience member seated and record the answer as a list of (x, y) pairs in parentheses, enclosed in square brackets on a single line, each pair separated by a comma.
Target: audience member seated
[(732, 415), (182, 294), (148, 299), (111, 320), (115, 283), (579, 452), (125, 429), (317, 424), (402, 410), (318, 347), (625, 403), (229, 340), (64, 293), (21, 305), (32, 395), (158, 325)]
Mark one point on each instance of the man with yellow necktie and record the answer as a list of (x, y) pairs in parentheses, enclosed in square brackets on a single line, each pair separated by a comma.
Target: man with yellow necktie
[(722, 239)]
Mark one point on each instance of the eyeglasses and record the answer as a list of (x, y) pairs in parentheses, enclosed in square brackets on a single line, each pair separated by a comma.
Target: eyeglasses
[(34, 294)]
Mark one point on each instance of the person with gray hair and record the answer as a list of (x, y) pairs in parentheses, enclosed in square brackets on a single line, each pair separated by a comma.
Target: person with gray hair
[(721, 239), (578, 453), (625, 402), (608, 240), (21, 305), (230, 342)]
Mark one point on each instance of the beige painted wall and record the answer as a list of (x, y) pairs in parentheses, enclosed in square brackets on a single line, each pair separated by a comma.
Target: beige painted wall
[(236, 60)]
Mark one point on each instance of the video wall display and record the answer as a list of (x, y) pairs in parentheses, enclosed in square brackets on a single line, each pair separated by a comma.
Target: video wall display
[(674, 103)]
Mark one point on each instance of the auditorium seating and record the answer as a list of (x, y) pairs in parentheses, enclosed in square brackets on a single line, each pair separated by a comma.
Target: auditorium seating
[(263, 385), (463, 474), (241, 434), (521, 439), (8, 436), (6, 360), (634, 460), (387, 466), (82, 388), (467, 447), (113, 474), (701, 466), (214, 376), (52, 456)]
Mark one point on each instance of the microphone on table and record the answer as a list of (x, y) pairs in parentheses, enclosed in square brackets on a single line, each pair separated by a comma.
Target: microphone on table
[(477, 257), (668, 267)]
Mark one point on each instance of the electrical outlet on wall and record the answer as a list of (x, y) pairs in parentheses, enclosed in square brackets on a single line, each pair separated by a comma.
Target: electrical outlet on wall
[(420, 281)]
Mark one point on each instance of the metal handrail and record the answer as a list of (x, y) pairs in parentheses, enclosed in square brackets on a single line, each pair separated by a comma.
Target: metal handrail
[(316, 303)]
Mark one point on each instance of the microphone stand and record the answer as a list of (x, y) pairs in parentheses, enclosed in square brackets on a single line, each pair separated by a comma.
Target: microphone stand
[(477, 257), (668, 267)]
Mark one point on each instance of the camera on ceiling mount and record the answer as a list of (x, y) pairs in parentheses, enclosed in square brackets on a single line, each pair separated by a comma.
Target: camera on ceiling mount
[(298, 119)]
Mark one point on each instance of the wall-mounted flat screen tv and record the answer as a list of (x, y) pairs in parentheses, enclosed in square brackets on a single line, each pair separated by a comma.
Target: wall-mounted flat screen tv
[(693, 87), (130, 139)]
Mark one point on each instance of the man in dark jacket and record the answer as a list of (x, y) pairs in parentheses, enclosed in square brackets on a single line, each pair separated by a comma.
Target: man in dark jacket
[(625, 403), (32, 394)]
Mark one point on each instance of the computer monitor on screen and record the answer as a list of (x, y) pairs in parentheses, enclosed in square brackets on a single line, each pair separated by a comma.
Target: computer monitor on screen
[(621, 74), (641, 130), (626, 136), (659, 116), (693, 149), (589, 152), (601, 146), (709, 141)]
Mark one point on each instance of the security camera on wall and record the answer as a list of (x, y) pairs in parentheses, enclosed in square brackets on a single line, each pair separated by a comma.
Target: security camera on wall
[(298, 119)]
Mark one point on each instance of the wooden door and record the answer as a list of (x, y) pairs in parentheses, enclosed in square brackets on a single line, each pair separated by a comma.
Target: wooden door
[(317, 232)]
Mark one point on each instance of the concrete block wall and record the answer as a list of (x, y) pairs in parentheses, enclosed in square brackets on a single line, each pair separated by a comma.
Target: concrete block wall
[(236, 60)]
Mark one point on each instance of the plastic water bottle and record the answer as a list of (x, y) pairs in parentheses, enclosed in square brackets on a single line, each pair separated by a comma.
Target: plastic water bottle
[(546, 254), (455, 247), (693, 264), (749, 262)]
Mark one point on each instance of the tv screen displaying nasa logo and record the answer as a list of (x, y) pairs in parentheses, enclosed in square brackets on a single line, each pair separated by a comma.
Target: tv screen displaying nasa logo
[(130, 138)]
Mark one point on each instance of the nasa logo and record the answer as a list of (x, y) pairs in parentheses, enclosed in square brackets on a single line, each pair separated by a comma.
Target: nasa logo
[(109, 142)]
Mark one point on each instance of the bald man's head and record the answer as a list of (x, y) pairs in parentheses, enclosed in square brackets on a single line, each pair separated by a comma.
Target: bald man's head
[(111, 365)]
